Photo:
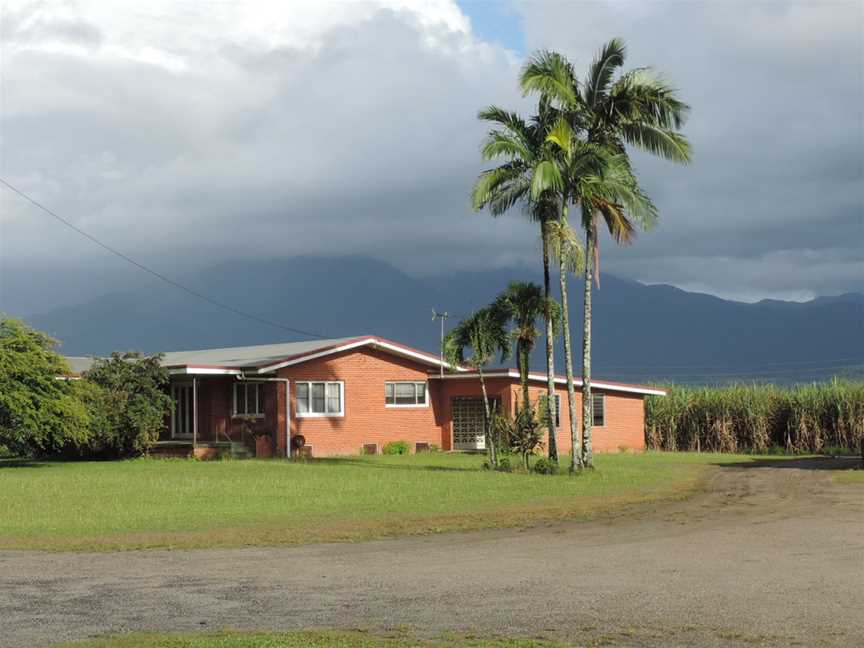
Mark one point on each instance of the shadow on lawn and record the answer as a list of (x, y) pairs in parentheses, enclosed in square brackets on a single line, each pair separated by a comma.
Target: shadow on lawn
[(802, 463), (17, 462), (350, 461)]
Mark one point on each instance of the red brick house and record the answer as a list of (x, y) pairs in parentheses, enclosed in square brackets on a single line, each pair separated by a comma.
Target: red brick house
[(351, 395)]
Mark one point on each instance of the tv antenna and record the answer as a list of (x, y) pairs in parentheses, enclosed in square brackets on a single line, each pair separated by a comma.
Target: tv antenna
[(443, 317)]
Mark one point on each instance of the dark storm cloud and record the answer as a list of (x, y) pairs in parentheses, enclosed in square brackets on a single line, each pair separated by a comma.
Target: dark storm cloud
[(774, 200), (182, 147)]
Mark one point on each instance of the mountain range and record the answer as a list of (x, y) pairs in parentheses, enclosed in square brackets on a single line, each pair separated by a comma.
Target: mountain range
[(641, 332)]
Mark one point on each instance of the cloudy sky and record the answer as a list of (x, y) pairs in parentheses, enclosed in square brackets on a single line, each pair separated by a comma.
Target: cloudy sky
[(184, 132)]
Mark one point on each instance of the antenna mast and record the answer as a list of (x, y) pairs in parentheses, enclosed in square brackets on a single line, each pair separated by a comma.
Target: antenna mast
[(443, 317)]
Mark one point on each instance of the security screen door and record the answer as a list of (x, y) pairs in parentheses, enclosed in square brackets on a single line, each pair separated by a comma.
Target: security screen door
[(468, 422)]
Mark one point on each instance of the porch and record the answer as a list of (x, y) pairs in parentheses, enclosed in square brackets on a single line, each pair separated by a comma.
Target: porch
[(217, 415)]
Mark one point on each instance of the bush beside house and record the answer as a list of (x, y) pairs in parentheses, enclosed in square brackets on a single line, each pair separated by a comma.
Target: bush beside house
[(117, 408), (38, 413)]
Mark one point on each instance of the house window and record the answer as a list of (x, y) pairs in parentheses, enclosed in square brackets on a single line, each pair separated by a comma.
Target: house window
[(405, 394), (320, 399), (598, 407), (542, 407), (183, 410), (249, 399)]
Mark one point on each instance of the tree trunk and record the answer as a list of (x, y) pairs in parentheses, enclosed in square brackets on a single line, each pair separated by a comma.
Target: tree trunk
[(550, 361), (587, 452), (487, 422), (524, 361), (575, 449)]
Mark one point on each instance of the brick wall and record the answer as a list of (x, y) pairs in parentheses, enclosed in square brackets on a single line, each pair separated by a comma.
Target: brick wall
[(624, 426), (367, 420)]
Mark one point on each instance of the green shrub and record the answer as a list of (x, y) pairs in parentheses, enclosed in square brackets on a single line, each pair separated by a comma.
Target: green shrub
[(544, 466), (127, 404), (39, 414), (758, 418), (504, 465), (396, 448)]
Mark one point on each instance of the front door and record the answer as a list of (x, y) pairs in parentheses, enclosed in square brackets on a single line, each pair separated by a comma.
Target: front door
[(181, 417), (468, 422)]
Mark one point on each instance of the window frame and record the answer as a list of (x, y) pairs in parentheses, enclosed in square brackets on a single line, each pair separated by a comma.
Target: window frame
[(325, 413), (414, 405), (594, 422), (260, 399)]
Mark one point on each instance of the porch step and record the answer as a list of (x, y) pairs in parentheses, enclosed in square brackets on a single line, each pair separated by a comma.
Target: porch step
[(240, 451)]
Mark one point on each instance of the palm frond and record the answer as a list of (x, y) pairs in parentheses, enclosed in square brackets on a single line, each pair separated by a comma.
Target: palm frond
[(565, 245), (546, 177), (550, 75), (562, 136), (610, 58), (663, 142), (493, 184), (640, 94), (501, 144), (619, 226)]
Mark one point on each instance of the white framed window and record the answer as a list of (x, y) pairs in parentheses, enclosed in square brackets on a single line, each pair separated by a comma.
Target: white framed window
[(598, 410), (405, 394), (557, 407), (320, 398), (249, 399)]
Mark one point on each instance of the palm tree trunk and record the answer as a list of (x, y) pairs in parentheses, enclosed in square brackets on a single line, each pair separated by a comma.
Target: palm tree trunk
[(487, 422), (587, 452), (575, 450), (550, 351), (524, 360)]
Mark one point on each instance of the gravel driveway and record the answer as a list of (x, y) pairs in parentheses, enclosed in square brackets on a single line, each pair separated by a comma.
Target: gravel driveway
[(772, 554)]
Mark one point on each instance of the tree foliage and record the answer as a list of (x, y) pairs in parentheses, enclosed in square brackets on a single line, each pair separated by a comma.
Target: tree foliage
[(126, 399), (484, 334), (39, 412)]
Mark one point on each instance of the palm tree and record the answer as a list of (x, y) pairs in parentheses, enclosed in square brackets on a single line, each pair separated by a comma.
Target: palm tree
[(485, 333), (638, 108), (522, 180), (567, 249), (524, 304)]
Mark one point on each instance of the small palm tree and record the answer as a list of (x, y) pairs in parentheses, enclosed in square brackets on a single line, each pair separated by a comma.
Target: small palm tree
[(485, 334), (638, 108), (524, 304), (521, 180)]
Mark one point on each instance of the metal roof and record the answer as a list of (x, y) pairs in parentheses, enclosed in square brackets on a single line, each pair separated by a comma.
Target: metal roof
[(249, 356), (265, 357), (79, 364)]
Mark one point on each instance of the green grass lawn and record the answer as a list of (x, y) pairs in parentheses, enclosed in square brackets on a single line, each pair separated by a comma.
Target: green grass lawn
[(147, 503), (301, 640)]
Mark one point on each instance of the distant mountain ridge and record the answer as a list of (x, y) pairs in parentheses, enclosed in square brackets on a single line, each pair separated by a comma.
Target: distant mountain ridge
[(641, 331)]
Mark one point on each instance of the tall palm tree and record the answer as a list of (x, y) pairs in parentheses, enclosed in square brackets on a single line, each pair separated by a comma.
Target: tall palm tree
[(636, 108), (568, 251), (485, 333), (522, 179)]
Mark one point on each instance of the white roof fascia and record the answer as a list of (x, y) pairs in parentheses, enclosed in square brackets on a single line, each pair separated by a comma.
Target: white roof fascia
[(373, 342), (512, 373)]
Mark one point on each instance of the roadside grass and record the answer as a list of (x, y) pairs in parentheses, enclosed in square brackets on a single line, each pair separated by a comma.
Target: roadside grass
[(325, 639), (172, 503), (853, 476)]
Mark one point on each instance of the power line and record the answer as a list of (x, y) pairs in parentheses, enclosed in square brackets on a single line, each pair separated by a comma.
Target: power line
[(798, 363), (159, 275)]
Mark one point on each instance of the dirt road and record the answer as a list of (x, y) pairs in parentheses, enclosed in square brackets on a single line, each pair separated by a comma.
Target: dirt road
[(771, 554)]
